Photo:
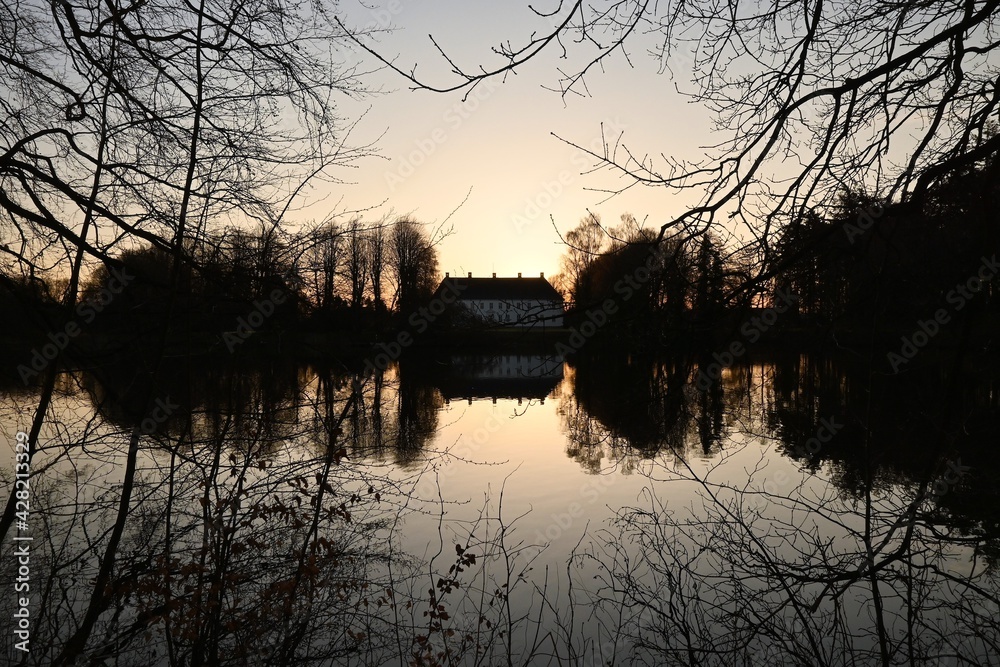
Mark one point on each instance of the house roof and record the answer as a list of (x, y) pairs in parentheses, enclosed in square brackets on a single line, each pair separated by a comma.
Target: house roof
[(502, 289)]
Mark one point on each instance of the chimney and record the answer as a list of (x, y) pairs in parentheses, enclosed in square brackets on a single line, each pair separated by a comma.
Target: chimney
[(446, 274), (541, 275), (494, 275), (470, 274), (519, 274)]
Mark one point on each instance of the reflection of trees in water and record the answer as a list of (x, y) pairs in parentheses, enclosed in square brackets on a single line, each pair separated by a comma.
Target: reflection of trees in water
[(890, 430), (229, 402), (260, 530), (588, 442), (804, 577), (417, 414), (235, 549), (394, 414), (617, 408), (257, 531), (908, 430), (252, 535), (875, 551)]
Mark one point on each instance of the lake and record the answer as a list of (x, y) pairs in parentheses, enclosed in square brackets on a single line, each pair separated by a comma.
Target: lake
[(512, 508)]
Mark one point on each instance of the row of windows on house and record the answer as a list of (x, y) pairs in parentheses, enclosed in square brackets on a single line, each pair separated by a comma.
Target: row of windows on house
[(520, 305)]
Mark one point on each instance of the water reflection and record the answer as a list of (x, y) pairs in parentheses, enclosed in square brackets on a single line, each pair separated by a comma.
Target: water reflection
[(515, 376), (798, 511), (878, 547), (633, 406)]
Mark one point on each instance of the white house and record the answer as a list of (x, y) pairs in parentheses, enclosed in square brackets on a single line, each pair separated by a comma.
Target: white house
[(513, 302)]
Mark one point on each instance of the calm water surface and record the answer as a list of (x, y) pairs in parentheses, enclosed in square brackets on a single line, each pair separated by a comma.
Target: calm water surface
[(514, 509)]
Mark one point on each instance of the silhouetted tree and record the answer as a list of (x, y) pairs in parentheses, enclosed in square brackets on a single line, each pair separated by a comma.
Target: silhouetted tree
[(583, 246), (793, 105), (708, 281), (377, 256), (320, 267), (413, 262), (356, 262)]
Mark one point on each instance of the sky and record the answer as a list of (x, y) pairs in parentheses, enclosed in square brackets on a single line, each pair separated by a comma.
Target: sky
[(497, 151)]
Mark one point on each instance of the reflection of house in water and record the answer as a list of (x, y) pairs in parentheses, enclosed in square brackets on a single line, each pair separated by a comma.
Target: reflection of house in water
[(521, 376)]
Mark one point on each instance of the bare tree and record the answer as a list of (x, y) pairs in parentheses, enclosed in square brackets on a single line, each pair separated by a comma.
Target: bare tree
[(377, 255), (356, 262), (414, 263), (584, 243), (321, 265), (128, 124), (808, 98)]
